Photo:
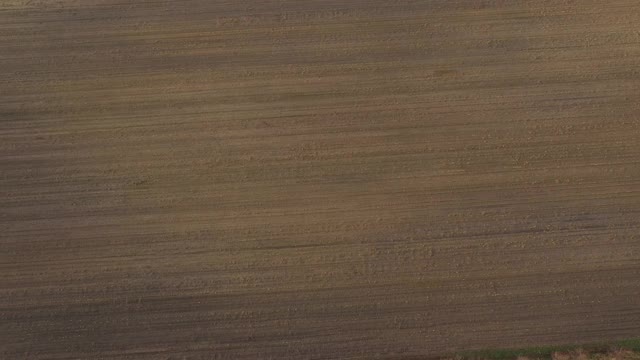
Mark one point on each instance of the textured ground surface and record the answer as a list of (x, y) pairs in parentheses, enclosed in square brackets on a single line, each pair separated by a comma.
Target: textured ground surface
[(316, 179)]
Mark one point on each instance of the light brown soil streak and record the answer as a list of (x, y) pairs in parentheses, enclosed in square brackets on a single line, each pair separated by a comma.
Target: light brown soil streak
[(316, 179)]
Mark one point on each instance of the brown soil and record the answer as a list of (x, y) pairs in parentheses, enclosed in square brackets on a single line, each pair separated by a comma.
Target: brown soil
[(316, 179)]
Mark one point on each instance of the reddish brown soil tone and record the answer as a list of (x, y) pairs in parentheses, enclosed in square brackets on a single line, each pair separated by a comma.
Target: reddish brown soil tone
[(316, 179)]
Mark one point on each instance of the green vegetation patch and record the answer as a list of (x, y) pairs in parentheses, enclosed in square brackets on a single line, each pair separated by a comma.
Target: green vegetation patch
[(546, 352)]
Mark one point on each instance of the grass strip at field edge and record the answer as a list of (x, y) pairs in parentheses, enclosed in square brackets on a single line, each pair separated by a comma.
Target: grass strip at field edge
[(546, 352)]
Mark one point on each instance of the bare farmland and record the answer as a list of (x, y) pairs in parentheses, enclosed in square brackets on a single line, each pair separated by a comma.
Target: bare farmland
[(316, 179)]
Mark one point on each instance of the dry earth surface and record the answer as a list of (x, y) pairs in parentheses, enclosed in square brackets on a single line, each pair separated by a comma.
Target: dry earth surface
[(316, 179)]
